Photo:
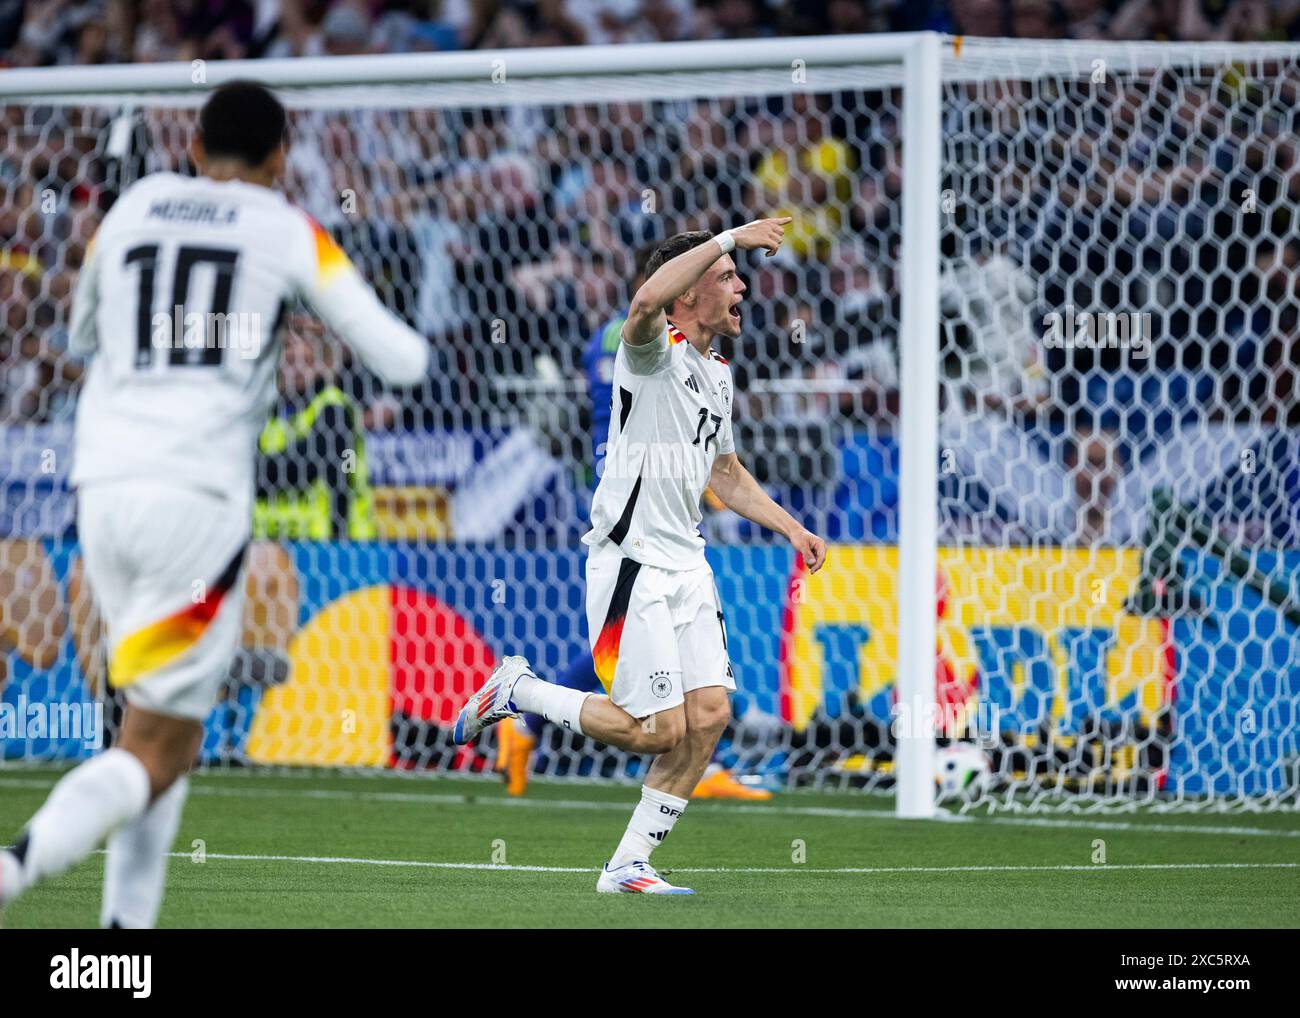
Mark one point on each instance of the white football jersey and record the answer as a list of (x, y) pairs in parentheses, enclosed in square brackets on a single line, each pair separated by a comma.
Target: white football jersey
[(670, 419), (180, 300)]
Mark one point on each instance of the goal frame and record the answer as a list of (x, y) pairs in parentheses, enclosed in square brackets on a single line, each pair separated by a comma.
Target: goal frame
[(918, 53)]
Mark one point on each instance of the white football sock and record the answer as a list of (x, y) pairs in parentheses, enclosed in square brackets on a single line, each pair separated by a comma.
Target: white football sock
[(136, 869), (651, 821), (87, 805), (557, 704)]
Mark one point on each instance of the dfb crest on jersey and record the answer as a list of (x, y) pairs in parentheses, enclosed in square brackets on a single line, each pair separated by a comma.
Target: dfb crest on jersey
[(661, 685)]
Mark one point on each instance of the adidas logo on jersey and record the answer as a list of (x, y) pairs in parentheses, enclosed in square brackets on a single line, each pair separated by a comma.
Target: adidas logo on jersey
[(692, 384)]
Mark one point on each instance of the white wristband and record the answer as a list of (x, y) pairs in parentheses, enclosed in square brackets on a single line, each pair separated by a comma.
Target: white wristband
[(726, 241)]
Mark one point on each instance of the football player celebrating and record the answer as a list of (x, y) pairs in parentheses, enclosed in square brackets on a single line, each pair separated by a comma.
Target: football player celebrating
[(518, 738), (655, 623)]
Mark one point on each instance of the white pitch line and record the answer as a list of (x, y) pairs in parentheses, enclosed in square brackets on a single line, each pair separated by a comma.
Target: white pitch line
[(844, 813), (1126, 825), (862, 870), (839, 812)]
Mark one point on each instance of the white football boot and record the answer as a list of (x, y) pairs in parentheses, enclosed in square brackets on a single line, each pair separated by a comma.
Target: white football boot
[(635, 878), (492, 702)]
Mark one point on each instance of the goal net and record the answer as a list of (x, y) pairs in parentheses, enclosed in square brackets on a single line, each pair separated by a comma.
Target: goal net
[(1117, 487)]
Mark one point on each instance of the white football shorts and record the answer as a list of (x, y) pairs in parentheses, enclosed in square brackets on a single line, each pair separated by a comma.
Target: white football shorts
[(166, 567), (655, 633)]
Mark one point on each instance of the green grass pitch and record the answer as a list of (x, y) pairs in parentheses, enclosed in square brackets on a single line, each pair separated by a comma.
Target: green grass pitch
[(286, 850)]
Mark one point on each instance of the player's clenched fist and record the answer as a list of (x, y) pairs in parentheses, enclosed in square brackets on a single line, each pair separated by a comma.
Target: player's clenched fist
[(811, 547), (761, 233)]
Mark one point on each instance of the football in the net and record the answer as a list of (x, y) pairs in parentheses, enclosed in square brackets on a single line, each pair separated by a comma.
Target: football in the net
[(962, 771)]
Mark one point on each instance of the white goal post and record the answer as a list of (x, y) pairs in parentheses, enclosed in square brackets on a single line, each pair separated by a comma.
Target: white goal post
[(1039, 555)]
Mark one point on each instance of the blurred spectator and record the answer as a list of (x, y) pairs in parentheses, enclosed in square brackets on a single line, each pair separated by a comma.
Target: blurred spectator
[(215, 29), (1096, 464), (297, 33), (808, 175), (1034, 19), (158, 37), (980, 18), (346, 31)]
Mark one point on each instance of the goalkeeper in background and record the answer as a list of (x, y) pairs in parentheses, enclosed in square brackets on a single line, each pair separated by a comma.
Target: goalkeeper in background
[(518, 738)]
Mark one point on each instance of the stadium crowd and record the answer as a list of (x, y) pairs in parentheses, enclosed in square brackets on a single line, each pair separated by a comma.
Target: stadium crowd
[(40, 32), (506, 236)]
